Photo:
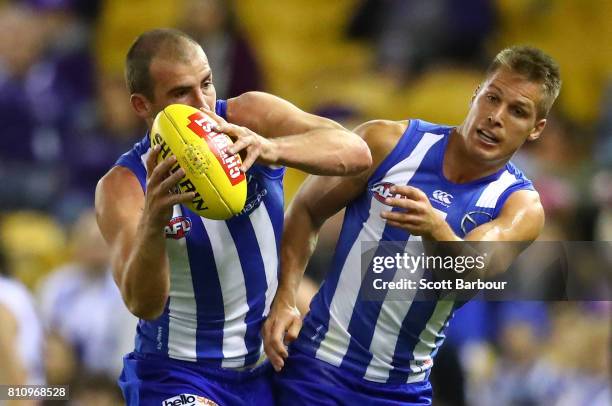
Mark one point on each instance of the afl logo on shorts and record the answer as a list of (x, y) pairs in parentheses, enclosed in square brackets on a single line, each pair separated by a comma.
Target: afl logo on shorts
[(382, 190), (178, 227), (187, 399)]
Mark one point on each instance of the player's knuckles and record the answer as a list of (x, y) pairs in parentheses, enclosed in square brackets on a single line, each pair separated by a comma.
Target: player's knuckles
[(394, 216), (170, 181), (158, 171), (266, 325), (277, 345), (277, 361), (234, 129), (152, 158), (181, 198), (267, 336), (413, 190), (401, 203), (296, 319)]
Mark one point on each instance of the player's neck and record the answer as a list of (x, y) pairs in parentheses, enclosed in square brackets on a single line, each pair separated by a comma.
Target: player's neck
[(461, 167)]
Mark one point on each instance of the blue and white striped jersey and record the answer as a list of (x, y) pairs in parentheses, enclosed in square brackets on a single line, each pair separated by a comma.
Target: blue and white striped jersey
[(394, 341), (223, 274)]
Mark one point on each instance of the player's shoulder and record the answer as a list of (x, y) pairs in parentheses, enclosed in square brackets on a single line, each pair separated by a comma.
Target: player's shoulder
[(525, 200), (117, 184), (116, 177), (381, 136), (387, 126), (249, 102), (523, 209)]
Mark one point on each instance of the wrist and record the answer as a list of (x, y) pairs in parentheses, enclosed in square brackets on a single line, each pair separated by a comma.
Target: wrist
[(151, 228), (286, 296), (441, 231), (272, 151)]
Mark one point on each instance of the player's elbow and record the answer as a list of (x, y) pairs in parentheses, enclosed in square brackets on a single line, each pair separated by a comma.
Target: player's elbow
[(144, 310), (144, 304), (358, 158)]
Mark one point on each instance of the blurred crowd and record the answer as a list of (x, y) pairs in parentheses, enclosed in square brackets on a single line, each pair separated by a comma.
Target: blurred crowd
[(66, 117)]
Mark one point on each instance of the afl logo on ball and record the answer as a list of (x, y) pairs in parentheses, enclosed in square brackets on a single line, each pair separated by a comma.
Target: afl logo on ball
[(178, 227)]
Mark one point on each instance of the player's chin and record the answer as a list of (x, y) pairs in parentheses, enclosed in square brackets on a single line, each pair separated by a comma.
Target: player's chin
[(488, 153)]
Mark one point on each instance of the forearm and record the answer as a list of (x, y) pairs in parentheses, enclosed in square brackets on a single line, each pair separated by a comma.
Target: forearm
[(442, 232), (326, 151), (299, 242), (300, 140), (483, 242), (145, 276)]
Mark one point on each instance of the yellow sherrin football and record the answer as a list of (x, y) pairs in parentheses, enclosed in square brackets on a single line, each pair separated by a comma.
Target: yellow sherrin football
[(210, 171)]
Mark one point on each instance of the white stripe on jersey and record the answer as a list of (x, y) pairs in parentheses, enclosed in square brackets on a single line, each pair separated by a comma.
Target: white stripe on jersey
[(264, 232), (427, 338), (388, 325), (183, 320), (233, 291), (144, 157), (493, 191), (335, 344)]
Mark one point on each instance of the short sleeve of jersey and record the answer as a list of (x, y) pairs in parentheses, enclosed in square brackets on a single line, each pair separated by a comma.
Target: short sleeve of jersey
[(135, 159), (521, 184)]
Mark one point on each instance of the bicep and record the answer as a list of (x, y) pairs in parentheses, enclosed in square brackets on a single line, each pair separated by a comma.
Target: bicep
[(321, 197), (271, 116), (521, 219), (324, 196)]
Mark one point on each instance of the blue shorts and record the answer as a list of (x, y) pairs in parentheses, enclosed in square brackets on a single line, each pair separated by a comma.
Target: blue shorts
[(308, 381), (153, 381)]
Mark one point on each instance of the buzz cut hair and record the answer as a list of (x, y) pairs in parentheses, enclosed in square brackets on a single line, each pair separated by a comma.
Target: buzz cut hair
[(536, 66), (166, 42)]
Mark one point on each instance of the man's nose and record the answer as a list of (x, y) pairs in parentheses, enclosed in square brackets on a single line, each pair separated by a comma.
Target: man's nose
[(495, 117), (199, 100)]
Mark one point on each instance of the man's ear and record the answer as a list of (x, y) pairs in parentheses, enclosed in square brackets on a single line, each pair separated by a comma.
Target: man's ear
[(140, 105), (537, 130)]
